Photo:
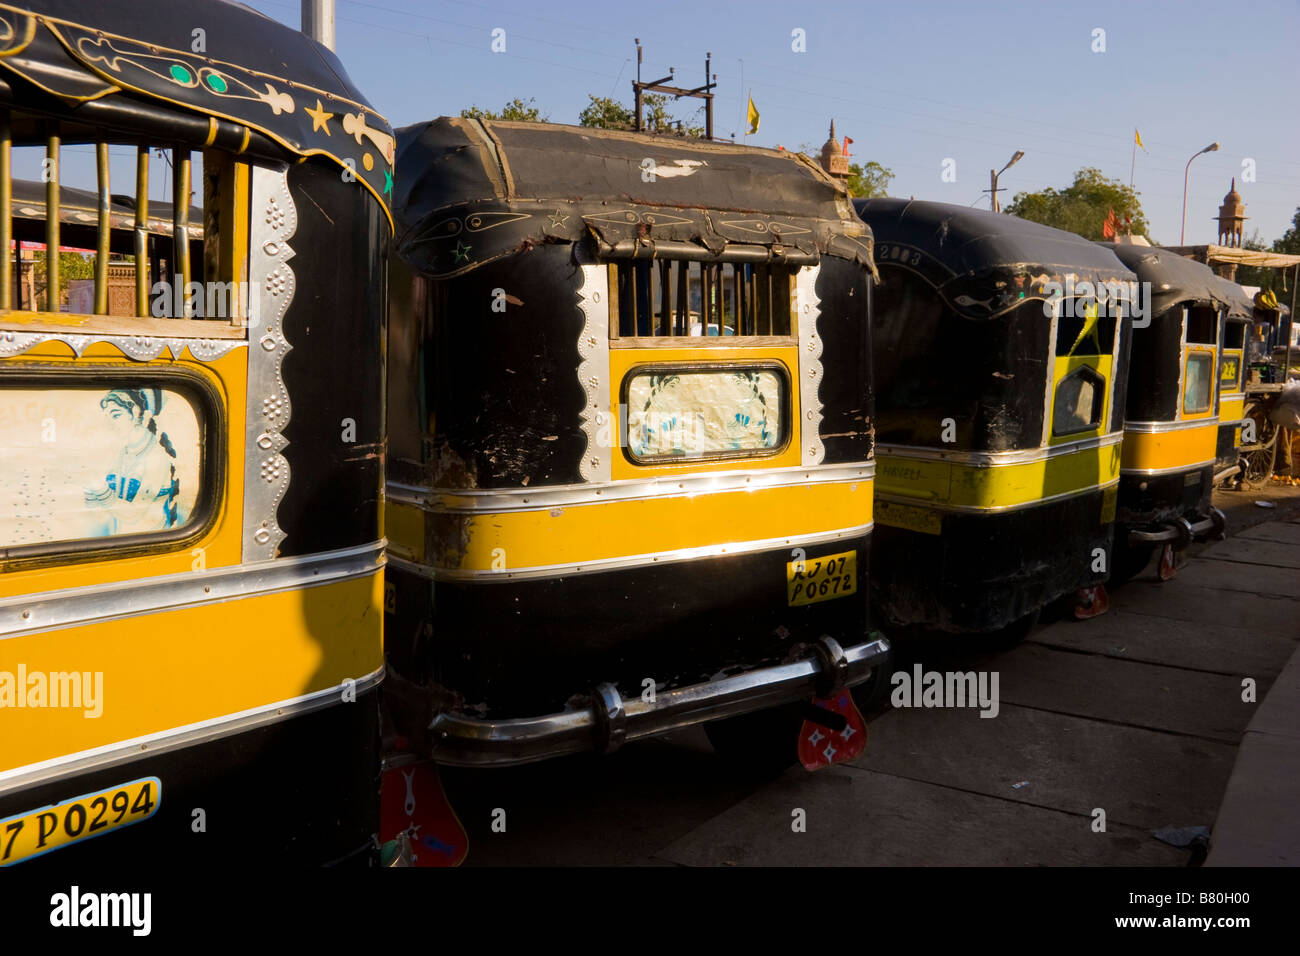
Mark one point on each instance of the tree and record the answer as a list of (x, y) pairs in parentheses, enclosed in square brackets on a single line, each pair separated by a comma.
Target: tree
[(1082, 206), (516, 110), (870, 181), (604, 112)]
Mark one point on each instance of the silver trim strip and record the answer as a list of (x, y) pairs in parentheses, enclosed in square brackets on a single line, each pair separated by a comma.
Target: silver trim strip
[(77, 607), (468, 741), (267, 411), (593, 369), (1152, 472), (140, 348), (499, 500), (811, 449), (1157, 428), (189, 735), (992, 459), (991, 509), (627, 561)]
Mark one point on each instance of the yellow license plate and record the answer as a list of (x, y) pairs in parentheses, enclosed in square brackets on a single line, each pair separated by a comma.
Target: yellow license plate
[(821, 579), (77, 820)]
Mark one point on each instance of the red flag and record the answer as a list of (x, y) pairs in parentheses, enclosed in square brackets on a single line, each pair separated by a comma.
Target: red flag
[(846, 145), (1110, 226)]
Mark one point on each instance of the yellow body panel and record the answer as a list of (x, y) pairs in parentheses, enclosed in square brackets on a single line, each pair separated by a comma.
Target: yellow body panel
[(1232, 408), (622, 361), (175, 668), (996, 486), (617, 529), (1145, 451), (1102, 365)]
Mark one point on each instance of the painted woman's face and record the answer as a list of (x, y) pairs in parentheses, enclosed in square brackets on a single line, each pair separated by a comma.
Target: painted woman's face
[(122, 422)]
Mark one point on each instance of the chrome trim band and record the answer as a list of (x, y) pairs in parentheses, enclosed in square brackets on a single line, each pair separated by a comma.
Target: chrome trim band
[(808, 306), (992, 459), (628, 561), (470, 742), (499, 500), (593, 368), (140, 348), (267, 411), (77, 607), (153, 745), (991, 509), (1157, 428), (1153, 472)]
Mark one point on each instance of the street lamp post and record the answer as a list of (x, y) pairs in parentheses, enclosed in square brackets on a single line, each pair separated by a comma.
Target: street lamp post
[(993, 180), (1182, 233)]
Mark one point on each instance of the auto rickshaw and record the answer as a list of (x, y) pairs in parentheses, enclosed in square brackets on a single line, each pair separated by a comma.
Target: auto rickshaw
[(190, 508), (1171, 423), (1238, 316), (1001, 355), (630, 425)]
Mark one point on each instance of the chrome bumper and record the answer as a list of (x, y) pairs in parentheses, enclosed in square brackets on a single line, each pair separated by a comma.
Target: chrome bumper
[(611, 720), (1182, 532)]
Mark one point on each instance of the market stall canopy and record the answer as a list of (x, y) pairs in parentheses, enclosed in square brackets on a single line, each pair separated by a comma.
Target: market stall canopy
[(984, 263), (259, 85), (472, 191), (1239, 256), (1173, 278)]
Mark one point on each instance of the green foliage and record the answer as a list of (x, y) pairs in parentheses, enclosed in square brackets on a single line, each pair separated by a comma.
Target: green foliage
[(604, 112), (516, 111), (72, 265), (1083, 205), (870, 181)]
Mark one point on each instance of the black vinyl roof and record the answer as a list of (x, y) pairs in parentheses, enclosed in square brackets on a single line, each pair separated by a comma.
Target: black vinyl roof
[(249, 69), (1174, 279), (1239, 303), (81, 207), (474, 190), (982, 262)]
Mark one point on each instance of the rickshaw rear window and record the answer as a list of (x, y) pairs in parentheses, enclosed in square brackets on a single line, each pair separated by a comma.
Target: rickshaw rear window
[(668, 297), (1202, 325), (85, 464), (1234, 335), (682, 414), (1198, 382), (1078, 403)]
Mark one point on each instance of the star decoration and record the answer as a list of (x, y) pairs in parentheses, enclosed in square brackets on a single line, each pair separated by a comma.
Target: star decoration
[(320, 119), (388, 181), (557, 220), (815, 738), (829, 752), (462, 252), (847, 732)]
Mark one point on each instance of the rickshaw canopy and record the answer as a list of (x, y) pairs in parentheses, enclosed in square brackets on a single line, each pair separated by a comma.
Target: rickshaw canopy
[(1173, 278), (113, 59), (474, 190), (984, 263)]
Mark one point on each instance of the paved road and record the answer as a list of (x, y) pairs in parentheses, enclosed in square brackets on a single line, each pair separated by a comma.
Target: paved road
[(1137, 713)]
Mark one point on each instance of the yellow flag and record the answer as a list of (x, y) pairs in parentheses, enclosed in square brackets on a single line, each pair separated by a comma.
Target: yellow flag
[(1137, 138), (752, 117)]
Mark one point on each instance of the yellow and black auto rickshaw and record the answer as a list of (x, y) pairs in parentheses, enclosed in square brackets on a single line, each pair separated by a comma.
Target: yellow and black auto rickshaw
[(1238, 316), (1001, 353), (630, 425), (1171, 423), (190, 521)]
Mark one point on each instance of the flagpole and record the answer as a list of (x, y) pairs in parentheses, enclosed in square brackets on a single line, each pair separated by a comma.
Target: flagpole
[(1133, 163)]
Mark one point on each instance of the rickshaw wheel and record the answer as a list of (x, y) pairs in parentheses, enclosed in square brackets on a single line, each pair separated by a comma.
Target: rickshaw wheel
[(763, 743), (1091, 602)]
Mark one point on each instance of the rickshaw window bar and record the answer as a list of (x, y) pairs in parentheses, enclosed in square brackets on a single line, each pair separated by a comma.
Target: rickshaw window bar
[(150, 260), (670, 298)]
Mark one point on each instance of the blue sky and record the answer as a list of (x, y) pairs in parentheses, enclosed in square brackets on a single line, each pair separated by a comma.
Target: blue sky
[(913, 83)]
